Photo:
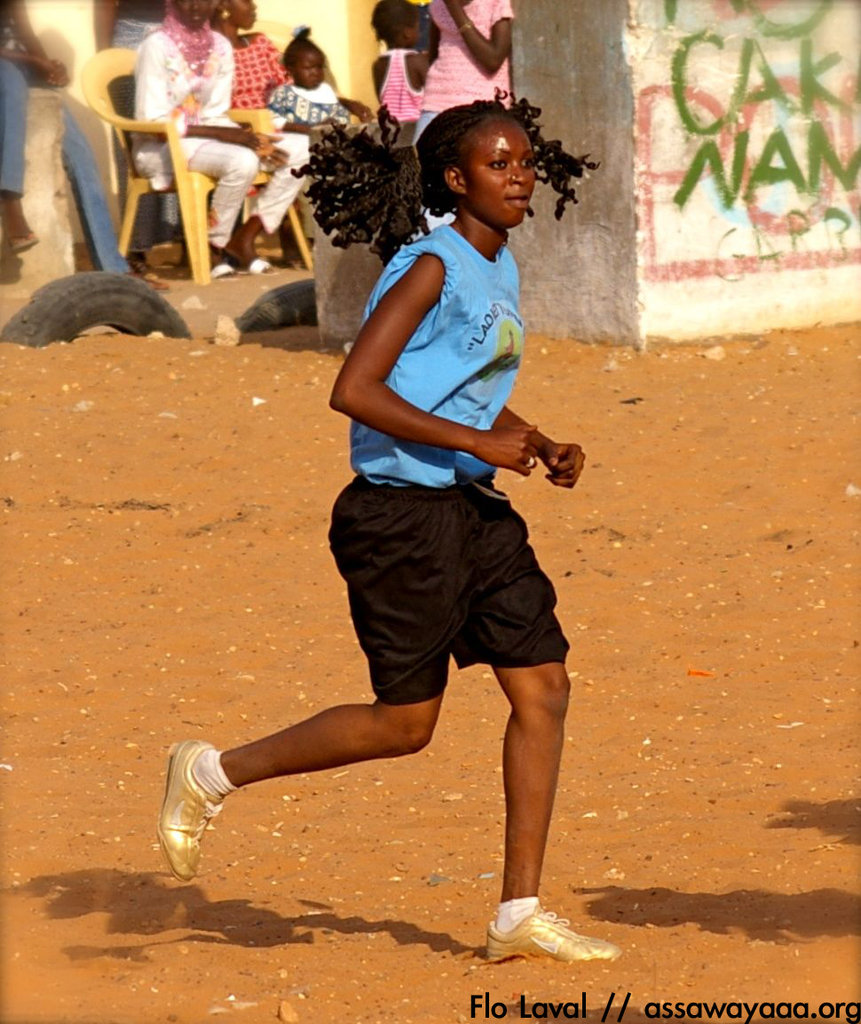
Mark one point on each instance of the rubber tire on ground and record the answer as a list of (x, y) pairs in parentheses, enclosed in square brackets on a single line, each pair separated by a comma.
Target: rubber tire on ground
[(65, 308), (290, 305)]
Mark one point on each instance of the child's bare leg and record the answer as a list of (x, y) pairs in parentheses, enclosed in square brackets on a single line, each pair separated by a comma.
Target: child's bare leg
[(337, 736), (530, 764)]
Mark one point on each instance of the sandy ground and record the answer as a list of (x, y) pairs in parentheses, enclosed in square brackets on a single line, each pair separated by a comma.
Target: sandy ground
[(166, 575)]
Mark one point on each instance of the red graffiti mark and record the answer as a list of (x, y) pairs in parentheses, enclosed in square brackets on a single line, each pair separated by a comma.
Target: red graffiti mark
[(677, 270)]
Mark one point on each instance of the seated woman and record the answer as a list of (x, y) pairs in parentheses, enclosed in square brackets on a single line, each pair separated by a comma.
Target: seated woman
[(257, 71), (184, 72)]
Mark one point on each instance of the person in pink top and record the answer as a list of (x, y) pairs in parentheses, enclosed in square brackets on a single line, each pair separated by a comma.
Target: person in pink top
[(470, 46)]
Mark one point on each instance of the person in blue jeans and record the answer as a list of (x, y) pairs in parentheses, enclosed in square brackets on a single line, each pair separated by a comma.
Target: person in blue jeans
[(23, 64)]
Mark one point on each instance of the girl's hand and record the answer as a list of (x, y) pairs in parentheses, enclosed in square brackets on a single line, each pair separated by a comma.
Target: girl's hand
[(509, 447), (564, 462)]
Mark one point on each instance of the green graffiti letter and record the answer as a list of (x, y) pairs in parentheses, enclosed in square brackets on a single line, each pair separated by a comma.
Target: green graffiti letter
[(765, 173), (811, 88), (708, 155), (771, 88), (679, 73), (820, 151), (842, 218)]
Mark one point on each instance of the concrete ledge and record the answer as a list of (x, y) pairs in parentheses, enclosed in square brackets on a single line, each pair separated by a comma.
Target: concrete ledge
[(46, 203)]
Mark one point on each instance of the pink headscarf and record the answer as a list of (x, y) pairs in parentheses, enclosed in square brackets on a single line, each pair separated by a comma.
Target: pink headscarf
[(195, 45)]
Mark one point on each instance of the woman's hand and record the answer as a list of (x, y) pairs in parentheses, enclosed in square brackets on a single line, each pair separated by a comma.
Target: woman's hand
[(53, 72), (234, 135), (268, 152)]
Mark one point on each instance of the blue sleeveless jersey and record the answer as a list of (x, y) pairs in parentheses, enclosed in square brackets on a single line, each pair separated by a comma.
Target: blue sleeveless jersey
[(459, 364)]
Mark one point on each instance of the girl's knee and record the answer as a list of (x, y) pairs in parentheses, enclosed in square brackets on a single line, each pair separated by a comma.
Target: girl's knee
[(414, 739), (556, 690), (407, 728), (546, 694)]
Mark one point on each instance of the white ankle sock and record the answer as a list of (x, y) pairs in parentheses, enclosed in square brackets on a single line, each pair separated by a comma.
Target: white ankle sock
[(210, 775), (512, 912)]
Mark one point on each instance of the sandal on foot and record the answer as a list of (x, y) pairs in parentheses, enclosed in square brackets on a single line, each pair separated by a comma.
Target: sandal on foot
[(222, 270)]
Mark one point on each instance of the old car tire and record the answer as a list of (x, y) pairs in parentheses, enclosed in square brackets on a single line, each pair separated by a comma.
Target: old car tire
[(65, 308), (290, 305)]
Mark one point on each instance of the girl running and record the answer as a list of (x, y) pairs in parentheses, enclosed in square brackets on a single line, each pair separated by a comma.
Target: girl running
[(436, 560)]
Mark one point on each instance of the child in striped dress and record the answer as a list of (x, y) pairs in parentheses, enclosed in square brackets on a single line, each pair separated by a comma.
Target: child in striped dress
[(399, 73)]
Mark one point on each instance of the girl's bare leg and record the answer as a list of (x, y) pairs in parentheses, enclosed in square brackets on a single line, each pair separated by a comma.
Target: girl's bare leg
[(340, 735), (531, 754), (530, 763), (14, 221), (337, 736)]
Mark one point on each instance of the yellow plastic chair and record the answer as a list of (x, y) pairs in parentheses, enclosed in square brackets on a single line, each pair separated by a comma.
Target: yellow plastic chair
[(192, 187)]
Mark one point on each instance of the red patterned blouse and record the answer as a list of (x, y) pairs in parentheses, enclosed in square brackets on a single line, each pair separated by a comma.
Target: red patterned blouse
[(257, 71)]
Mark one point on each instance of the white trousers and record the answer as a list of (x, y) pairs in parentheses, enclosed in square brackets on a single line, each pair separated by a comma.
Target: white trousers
[(235, 168)]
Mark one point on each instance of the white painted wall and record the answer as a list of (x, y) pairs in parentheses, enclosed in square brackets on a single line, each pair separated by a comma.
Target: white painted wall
[(765, 88)]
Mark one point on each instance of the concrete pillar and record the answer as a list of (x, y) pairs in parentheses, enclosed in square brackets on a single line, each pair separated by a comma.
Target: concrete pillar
[(343, 281), (579, 275), (45, 202)]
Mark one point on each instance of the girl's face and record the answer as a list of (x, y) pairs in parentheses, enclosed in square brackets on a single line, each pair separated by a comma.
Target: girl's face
[(194, 13), (495, 177), (308, 69)]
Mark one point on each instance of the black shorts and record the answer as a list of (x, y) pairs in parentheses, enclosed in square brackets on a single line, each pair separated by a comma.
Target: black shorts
[(433, 573)]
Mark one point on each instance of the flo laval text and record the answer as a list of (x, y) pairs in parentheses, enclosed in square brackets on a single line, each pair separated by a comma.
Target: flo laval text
[(482, 1007)]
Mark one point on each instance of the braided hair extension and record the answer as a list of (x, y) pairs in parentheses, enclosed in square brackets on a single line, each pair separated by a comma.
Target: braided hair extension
[(364, 189)]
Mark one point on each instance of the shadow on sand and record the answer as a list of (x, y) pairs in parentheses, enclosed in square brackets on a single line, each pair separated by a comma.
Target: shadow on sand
[(148, 904)]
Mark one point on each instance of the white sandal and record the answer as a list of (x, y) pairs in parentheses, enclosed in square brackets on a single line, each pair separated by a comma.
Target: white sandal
[(222, 270), (259, 266)]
